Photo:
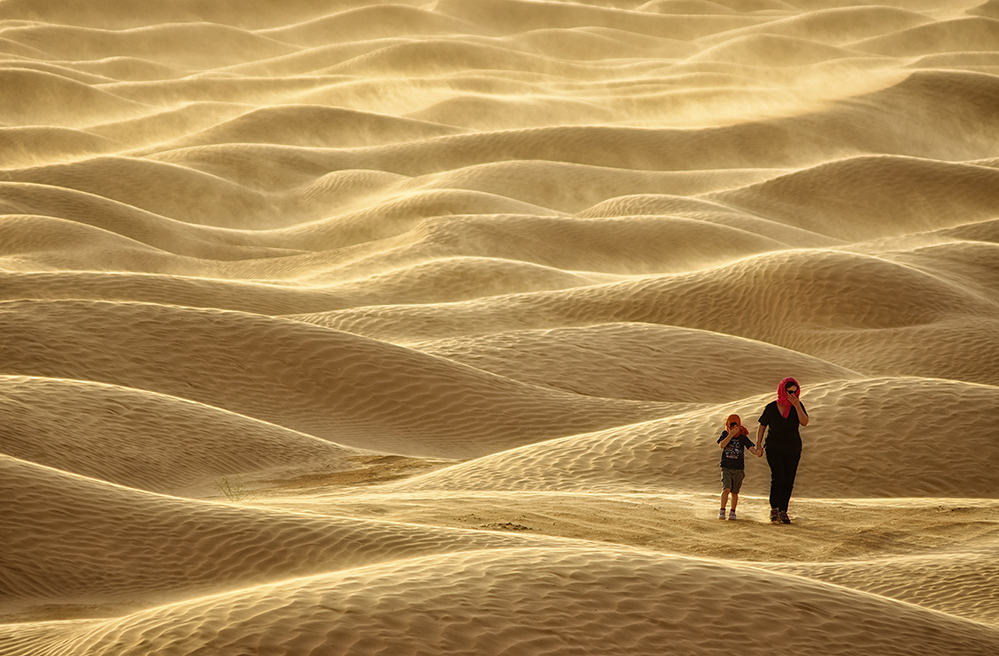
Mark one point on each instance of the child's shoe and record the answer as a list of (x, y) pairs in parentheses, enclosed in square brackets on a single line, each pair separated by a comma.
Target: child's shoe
[(774, 515), (721, 514), (731, 515)]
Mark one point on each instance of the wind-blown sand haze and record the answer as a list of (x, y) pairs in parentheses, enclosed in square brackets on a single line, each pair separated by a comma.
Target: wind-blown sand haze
[(349, 327)]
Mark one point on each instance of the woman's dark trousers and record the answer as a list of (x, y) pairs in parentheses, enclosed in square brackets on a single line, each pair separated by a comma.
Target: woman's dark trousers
[(783, 467)]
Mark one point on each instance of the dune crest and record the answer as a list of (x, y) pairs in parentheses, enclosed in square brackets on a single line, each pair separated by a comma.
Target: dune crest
[(365, 327)]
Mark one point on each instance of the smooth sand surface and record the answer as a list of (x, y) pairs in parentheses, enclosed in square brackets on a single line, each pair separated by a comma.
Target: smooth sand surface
[(351, 327)]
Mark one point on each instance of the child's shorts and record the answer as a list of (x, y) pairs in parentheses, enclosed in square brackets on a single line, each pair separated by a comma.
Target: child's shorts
[(732, 479)]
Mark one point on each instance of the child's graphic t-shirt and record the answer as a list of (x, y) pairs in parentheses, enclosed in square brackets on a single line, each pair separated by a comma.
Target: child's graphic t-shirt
[(733, 455)]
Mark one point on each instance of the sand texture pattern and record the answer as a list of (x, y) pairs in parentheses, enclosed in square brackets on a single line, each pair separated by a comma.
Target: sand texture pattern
[(348, 327)]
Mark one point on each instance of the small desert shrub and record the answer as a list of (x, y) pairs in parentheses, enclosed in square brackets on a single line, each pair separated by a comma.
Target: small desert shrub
[(232, 487)]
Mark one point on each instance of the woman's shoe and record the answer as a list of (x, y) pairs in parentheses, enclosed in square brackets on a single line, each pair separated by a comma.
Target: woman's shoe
[(774, 515), (784, 519)]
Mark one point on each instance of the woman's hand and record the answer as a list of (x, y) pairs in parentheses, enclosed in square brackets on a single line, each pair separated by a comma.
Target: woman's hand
[(802, 415)]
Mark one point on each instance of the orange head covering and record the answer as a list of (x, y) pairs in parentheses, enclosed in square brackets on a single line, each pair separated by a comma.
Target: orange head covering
[(739, 429)]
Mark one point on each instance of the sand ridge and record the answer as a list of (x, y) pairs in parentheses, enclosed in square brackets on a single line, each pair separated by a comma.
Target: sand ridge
[(633, 586), (165, 546), (330, 382), (361, 327)]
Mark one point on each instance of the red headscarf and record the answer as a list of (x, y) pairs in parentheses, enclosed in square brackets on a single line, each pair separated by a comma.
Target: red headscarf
[(739, 430), (783, 403)]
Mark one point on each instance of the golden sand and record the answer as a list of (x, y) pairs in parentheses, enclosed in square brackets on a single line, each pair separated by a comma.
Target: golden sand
[(351, 327)]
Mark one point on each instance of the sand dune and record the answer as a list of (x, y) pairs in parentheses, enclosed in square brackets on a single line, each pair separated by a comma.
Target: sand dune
[(362, 327), (971, 572), (835, 25), (146, 441), (843, 461), (422, 614), (349, 389), (677, 364), (963, 34), (331, 128), (22, 146), (722, 299), (921, 194), (139, 547)]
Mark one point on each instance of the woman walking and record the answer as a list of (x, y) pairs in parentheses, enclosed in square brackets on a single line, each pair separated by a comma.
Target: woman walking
[(783, 445)]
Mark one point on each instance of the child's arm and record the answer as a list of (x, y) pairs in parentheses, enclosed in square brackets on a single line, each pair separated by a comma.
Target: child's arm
[(752, 447)]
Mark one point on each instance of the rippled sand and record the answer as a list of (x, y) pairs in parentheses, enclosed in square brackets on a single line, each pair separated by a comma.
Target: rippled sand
[(357, 328)]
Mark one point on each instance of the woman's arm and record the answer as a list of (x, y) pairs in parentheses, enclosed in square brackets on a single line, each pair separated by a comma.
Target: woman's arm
[(759, 436), (802, 415)]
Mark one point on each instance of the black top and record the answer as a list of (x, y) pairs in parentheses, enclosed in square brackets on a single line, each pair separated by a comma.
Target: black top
[(783, 434), (732, 454)]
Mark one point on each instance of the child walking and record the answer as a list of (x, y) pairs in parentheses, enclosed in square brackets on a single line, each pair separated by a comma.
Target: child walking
[(733, 441)]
